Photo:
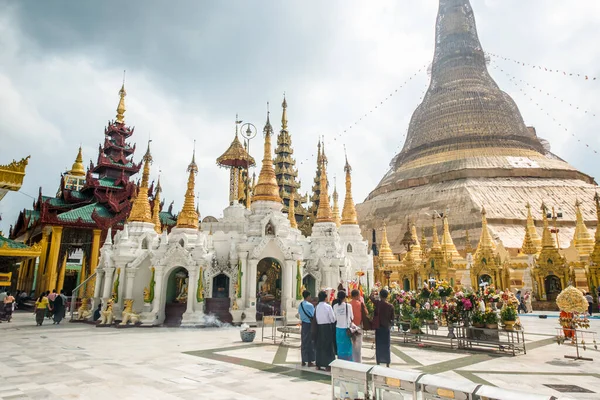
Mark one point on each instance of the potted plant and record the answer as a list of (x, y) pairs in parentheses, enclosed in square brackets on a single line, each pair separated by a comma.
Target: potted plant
[(508, 314), (491, 319), (478, 319), (415, 326), (247, 334), (406, 315)]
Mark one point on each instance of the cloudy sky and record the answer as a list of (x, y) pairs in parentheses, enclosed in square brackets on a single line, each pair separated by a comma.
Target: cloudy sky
[(192, 65)]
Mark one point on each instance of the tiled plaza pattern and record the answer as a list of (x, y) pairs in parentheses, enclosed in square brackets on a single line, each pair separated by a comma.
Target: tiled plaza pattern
[(77, 361)]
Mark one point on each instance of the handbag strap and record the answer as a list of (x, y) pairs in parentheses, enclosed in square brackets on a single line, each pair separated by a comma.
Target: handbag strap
[(309, 316)]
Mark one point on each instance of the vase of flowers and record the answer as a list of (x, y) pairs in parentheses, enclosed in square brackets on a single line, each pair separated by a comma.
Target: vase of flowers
[(478, 319), (415, 326), (247, 335), (508, 314), (491, 319)]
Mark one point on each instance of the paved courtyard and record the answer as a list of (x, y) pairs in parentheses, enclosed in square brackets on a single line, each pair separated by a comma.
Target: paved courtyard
[(78, 361)]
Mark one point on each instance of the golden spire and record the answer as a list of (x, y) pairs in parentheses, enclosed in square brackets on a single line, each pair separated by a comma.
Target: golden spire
[(468, 247), (292, 211), (547, 239), (385, 251), (349, 211), (448, 244), (188, 217), (582, 239), (324, 210), (78, 169), (336, 208), (156, 210), (436, 241), (121, 107), (528, 246), (595, 256), (140, 211), (267, 189), (415, 237), (284, 120), (423, 243), (537, 241), (485, 240)]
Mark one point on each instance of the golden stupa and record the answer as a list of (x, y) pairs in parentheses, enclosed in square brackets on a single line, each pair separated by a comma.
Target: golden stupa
[(467, 146)]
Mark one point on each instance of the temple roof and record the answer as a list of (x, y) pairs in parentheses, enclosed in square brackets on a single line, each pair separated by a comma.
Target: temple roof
[(84, 214), (236, 155)]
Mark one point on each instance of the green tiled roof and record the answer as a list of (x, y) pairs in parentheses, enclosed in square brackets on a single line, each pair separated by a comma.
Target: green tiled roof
[(57, 202), (11, 244), (167, 219), (78, 195), (85, 213), (108, 182), (33, 216)]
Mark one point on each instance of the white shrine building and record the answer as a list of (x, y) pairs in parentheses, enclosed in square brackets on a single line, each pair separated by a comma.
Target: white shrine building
[(253, 262)]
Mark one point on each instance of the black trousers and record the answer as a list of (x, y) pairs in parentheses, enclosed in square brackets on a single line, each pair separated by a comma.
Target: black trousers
[(307, 347)]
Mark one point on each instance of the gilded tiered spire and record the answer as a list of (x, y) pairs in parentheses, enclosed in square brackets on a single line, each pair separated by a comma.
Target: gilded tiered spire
[(595, 256), (535, 238), (349, 211), (285, 169), (385, 251), (292, 211), (267, 189), (528, 246), (316, 188), (284, 120), (583, 241), (324, 210), (447, 244), (140, 211), (547, 239), (436, 241), (121, 107), (468, 247), (156, 209), (78, 169), (336, 207), (188, 217), (485, 240), (416, 247)]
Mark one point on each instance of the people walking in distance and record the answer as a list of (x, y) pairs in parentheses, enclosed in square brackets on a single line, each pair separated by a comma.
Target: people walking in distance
[(41, 306)]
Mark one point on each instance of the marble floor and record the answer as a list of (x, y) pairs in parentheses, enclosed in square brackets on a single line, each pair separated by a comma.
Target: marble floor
[(79, 361)]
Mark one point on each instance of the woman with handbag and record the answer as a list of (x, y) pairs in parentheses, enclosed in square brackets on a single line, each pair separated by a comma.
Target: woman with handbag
[(344, 331), (325, 333)]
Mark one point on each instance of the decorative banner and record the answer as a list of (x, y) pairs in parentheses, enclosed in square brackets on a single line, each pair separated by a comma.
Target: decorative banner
[(115, 293), (239, 280), (545, 69), (200, 290), (298, 282)]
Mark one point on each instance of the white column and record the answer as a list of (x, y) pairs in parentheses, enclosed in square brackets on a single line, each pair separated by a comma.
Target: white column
[(99, 282), (287, 283), (192, 288), (129, 279), (251, 283), (158, 292), (243, 255), (108, 282)]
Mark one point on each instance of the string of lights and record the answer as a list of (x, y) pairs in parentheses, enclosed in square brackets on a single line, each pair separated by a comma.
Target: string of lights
[(587, 77), (515, 82)]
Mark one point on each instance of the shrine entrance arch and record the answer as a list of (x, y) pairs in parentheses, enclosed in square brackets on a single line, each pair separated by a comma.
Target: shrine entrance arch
[(553, 287), (175, 296), (268, 287)]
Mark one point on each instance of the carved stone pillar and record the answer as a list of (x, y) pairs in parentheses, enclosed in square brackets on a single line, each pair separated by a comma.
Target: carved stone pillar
[(251, 282), (158, 292), (129, 280), (108, 281), (287, 284), (243, 257), (192, 287)]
